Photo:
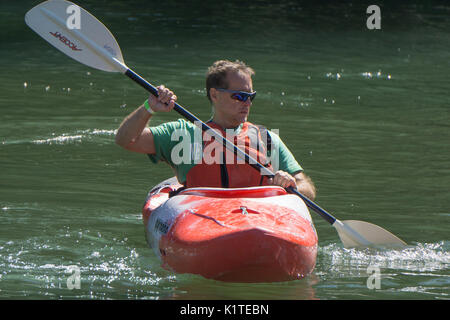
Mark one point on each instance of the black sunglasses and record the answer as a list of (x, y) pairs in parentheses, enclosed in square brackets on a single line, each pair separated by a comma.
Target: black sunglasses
[(240, 95)]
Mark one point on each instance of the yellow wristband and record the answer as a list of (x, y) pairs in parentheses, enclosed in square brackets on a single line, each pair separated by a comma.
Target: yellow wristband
[(147, 107)]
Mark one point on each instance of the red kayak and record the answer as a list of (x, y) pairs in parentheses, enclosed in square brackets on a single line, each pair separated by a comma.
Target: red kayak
[(256, 234)]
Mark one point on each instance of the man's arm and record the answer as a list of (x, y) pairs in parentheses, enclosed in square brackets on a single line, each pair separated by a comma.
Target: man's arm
[(133, 133), (305, 185)]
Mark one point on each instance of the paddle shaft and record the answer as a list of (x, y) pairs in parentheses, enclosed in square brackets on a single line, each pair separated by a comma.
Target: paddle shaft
[(228, 144)]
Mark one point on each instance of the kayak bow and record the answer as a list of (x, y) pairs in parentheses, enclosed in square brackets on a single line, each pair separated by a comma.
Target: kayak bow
[(255, 234)]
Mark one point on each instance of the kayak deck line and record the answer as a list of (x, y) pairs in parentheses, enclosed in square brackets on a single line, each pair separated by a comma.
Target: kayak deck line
[(207, 217)]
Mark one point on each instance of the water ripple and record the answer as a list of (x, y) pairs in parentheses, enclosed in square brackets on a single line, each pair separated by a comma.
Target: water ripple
[(80, 135), (423, 257)]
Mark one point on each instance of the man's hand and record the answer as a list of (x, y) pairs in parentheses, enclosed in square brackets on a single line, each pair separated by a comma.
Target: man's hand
[(300, 181), (283, 179), (164, 102)]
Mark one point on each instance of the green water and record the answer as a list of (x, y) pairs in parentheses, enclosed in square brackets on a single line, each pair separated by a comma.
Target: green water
[(366, 113)]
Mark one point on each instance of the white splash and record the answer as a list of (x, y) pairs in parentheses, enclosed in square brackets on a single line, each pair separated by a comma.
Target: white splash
[(79, 136)]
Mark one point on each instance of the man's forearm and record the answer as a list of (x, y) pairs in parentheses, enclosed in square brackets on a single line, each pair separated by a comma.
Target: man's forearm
[(306, 187), (132, 126)]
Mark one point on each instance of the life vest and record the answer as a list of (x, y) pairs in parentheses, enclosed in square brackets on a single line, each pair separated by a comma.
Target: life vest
[(228, 171)]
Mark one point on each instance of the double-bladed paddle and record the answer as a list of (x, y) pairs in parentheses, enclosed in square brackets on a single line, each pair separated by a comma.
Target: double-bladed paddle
[(92, 44)]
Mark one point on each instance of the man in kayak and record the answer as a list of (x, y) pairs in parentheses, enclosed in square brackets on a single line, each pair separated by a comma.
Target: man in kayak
[(204, 163)]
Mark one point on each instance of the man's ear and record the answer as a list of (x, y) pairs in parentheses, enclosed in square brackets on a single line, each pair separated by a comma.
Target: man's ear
[(213, 94)]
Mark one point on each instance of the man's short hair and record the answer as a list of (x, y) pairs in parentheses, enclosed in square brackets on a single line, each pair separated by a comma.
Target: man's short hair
[(217, 73)]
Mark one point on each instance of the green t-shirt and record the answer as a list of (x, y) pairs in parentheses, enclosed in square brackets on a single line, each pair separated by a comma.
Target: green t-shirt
[(179, 143)]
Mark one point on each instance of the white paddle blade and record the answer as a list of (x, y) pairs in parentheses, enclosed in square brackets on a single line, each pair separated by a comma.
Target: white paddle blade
[(354, 233), (77, 33)]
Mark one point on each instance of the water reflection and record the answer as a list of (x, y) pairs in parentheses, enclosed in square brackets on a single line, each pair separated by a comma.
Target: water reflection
[(198, 288)]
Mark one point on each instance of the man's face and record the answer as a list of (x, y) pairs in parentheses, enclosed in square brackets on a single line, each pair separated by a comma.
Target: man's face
[(228, 111)]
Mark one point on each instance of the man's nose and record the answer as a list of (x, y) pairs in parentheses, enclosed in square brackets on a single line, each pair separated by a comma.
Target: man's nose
[(248, 102)]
